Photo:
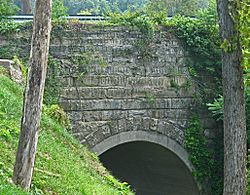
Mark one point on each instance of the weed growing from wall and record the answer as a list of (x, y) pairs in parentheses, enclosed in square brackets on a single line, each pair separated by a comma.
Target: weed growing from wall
[(58, 114)]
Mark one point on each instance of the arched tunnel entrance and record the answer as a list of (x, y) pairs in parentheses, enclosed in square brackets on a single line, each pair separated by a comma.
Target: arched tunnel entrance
[(152, 163), (150, 169)]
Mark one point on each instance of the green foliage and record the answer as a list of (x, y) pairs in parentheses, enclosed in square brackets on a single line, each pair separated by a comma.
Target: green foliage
[(133, 19), (98, 7), (123, 187), (7, 8), (58, 114), (7, 128), (174, 84), (157, 9), (5, 172), (248, 173), (196, 145), (52, 85), (150, 98), (7, 188), (176, 7), (9, 114), (207, 169), (247, 98), (244, 28), (217, 108), (59, 11), (7, 26), (4, 71), (202, 38), (184, 7), (23, 66), (63, 165)]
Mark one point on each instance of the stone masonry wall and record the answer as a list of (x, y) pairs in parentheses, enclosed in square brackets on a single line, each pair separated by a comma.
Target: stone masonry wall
[(116, 79), (130, 83)]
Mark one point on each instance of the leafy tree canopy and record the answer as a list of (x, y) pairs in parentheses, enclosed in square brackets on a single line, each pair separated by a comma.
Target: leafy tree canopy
[(98, 7), (7, 7)]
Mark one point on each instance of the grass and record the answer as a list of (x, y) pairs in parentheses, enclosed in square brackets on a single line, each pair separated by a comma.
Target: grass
[(63, 165)]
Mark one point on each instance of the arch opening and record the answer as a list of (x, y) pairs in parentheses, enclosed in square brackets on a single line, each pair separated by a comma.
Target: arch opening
[(150, 163), (149, 168)]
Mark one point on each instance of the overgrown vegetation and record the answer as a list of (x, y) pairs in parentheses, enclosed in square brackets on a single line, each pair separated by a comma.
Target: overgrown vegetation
[(244, 28), (204, 159), (59, 11), (7, 8), (200, 156), (63, 165)]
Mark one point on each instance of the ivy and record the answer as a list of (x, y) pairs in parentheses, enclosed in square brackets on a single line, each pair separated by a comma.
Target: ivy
[(200, 156), (201, 37)]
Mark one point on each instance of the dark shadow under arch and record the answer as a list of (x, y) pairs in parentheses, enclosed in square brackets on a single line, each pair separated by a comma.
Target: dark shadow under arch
[(152, 163)]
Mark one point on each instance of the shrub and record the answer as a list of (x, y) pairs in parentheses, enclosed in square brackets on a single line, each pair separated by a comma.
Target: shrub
[(57, 113), (59, 11), (7, 8)]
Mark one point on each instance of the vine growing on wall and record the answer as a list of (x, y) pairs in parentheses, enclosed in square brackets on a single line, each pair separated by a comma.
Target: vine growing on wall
[(200, 156), (203, 159)]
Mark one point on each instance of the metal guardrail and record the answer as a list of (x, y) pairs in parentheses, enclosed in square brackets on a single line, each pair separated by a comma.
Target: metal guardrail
[(23, 18)]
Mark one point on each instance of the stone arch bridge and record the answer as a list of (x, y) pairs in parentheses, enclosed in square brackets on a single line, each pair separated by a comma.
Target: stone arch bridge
[(129, 97), (135, 89)]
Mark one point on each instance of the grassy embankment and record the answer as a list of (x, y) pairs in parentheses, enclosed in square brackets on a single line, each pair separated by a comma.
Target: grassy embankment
[(63, 166)]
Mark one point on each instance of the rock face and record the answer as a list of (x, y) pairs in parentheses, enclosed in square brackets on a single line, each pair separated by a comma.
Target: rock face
[(13, 70)]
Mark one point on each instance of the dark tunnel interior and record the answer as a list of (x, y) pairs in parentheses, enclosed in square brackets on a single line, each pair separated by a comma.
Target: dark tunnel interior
[(150, 169)]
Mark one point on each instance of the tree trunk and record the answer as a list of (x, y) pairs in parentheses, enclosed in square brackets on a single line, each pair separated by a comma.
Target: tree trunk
[(234, 109), (26, 7), (33, 95)]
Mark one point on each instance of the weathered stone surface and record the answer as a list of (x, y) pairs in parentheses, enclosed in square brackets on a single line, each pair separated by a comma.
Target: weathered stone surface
[(13, 70), (129, 92), (128, 84)]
